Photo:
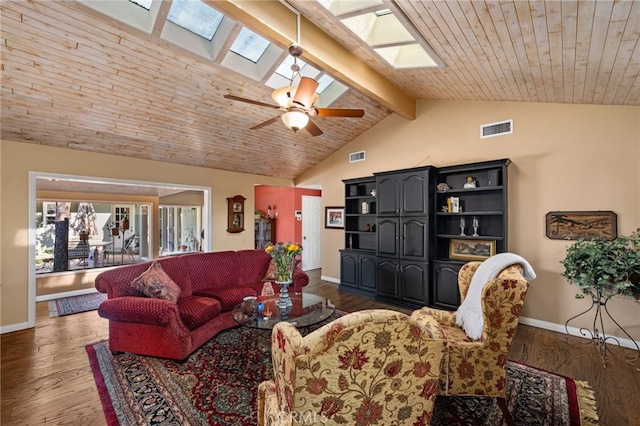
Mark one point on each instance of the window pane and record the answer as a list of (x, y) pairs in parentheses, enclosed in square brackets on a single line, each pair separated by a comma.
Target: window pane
[(196, 17), (249, 45), (285, 67), (142, 3), (323, 82)]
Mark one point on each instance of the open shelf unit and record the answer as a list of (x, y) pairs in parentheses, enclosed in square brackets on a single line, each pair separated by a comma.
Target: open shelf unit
[(486, 203), (360, 214)]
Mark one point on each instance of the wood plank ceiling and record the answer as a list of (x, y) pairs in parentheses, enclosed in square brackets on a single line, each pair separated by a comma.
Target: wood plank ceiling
[(79, 80)]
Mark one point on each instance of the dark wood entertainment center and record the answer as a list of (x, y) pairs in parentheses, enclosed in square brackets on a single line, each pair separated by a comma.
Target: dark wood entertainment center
[(404, 240)]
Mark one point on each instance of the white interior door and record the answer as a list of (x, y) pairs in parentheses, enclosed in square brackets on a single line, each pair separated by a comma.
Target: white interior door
[(311, 228)]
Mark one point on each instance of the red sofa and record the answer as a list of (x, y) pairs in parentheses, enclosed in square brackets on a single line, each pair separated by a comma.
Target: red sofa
[(211, 285)]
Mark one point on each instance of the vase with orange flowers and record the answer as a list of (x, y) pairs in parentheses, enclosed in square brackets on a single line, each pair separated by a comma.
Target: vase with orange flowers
[(284, 256)]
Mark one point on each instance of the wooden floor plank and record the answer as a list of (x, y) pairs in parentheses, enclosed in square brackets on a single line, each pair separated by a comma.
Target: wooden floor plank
[(46, 377)]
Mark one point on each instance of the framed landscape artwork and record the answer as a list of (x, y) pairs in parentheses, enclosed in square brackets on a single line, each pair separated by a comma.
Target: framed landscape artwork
[(334, 217), (471, 249), (587, 225)]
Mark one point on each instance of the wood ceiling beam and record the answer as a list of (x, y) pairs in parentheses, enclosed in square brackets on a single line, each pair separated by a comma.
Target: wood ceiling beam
[(273, 20)]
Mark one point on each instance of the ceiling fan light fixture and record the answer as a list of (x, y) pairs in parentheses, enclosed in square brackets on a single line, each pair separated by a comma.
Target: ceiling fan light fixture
[(284, 96), (295, 120)]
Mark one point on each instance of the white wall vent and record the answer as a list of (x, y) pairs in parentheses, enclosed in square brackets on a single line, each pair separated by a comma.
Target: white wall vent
[(496, 129), (356, 156)]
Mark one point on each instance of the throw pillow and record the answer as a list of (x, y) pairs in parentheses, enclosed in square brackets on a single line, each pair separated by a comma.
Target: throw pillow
[(271, 272), (154, 282)]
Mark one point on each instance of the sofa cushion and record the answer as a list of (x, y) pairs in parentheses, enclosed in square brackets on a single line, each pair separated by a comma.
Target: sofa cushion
[(177, 270), (154, 282), (117, 281), (219, 269), (271, 272), (254, 264), (196, 311), (228, 297)]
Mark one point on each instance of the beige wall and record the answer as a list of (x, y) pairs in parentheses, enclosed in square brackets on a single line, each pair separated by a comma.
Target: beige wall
[(565, 157), (18, 159)]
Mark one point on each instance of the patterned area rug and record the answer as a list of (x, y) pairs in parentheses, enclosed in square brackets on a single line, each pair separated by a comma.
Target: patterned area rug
[(217, 385), (75, 304)]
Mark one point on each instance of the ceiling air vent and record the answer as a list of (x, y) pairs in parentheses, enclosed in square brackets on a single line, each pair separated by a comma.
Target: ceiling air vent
[(356, 156), (496, 129)]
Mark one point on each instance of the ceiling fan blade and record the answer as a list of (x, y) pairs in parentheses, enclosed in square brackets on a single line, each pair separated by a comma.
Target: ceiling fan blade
[(266, 123), (305, 91), (251, 101), (313, 129), (339, 112)]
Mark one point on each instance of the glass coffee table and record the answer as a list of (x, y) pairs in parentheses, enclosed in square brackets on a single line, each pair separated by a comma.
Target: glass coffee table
[(307, 309)]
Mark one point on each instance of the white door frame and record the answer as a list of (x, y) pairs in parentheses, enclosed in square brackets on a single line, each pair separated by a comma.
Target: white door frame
[(311, 232)]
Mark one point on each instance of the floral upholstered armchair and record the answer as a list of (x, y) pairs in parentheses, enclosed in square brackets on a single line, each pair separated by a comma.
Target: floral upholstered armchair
[(367, 367), (478, 367)]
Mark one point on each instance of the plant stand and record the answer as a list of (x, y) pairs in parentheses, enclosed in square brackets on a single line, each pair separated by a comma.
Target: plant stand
[(597, 333)]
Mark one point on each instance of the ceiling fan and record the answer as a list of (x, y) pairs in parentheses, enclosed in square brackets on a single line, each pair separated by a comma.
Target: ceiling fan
[(297, 103)]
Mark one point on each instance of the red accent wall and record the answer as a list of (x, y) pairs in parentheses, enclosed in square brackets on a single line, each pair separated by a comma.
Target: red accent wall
[(284, 201)]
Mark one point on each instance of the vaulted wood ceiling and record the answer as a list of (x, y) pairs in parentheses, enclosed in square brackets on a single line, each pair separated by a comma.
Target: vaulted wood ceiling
[(76, 79)]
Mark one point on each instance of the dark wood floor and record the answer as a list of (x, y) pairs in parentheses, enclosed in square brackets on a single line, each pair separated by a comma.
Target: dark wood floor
[(46, 379)]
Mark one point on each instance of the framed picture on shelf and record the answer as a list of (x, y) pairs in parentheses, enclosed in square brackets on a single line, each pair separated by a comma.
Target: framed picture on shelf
[(471, 249), (334, 217)]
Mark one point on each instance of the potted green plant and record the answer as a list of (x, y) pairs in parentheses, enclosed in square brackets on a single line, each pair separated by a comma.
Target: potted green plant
[(605, 268)]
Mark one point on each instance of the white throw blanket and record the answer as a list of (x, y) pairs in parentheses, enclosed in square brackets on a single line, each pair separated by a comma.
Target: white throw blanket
[(469, 313)]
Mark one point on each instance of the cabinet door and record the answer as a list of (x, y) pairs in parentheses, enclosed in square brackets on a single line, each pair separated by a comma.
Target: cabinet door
[(414, 240), (388, 195), (414, 279), (387, 278), (367, 274), (445, 285), (388, 230), (414, 193), (348, 269)]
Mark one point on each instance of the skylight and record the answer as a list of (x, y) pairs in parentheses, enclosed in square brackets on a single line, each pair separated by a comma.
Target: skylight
[(196, 17), (249, 45), (285, 67), (378, 30), (201, 29), (146, 4), (324, 82), (343, 7), (386, 30), (408, 56)]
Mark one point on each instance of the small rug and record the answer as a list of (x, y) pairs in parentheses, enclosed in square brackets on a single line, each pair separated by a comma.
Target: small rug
[(75, 304), (217, 385)]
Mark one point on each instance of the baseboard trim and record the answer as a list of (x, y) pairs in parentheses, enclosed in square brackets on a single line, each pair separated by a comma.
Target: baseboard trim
[(573, 331), (559, 328), (330, 279), (24, 325), (14, 327), (65, 294)]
